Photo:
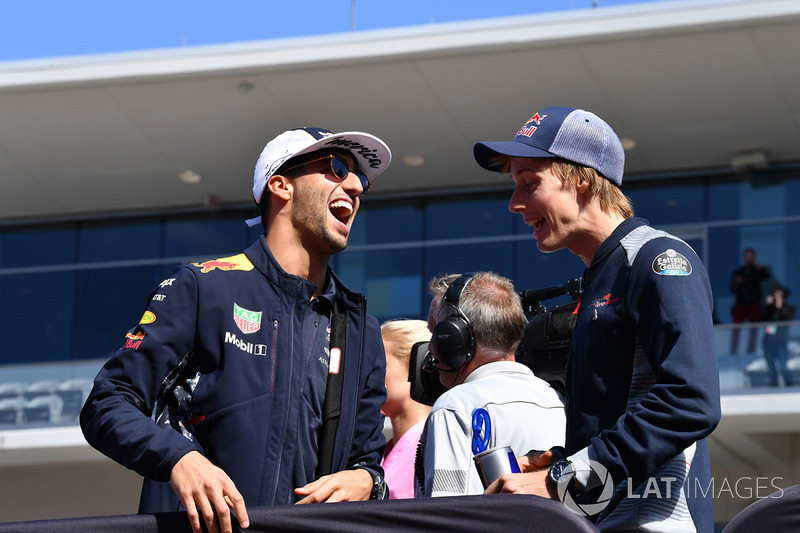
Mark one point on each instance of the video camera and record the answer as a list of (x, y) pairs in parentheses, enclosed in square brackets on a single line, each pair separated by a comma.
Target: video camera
[(544, 347)]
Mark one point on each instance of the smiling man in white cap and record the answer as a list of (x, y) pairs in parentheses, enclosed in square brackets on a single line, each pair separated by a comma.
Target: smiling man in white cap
[(642, 385), (257, 379)]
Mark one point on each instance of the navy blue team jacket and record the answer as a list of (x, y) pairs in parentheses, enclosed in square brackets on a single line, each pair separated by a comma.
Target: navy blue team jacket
[(216, 365), (643, 382)]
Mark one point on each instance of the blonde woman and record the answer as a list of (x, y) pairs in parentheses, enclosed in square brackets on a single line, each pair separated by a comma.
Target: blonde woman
[(407, 416)]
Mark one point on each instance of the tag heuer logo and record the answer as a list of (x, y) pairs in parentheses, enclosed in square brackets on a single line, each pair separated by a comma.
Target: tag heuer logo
[(248, 321)]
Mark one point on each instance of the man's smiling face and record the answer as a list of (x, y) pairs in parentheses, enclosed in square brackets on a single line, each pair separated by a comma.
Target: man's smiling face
[(324, 207), (546, 202)]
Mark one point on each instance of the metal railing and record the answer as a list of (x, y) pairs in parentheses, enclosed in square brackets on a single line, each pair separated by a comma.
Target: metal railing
[(743, 351), (53, 394)]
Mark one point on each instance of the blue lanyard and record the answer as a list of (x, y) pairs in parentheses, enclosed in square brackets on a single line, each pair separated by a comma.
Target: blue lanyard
[(481, 423)]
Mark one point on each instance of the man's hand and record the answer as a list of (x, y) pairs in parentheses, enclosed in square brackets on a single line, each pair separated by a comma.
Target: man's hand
[(532, 480), (198, 483), (535, 460), (525, 483), (344, 486)]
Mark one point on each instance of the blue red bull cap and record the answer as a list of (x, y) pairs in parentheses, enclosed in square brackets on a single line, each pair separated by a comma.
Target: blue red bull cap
[(572, 134)]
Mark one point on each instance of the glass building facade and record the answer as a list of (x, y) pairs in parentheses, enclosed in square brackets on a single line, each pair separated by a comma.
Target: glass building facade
[(70, 290)]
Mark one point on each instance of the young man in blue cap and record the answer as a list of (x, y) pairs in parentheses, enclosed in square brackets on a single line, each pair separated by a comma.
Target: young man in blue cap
[(642, 379), (257, 379)]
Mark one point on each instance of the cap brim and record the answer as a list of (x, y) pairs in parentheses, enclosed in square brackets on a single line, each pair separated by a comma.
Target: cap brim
[(372, 155), (485, 151)]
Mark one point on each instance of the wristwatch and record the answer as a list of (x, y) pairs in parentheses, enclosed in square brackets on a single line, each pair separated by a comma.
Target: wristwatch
[(561, 471), (380, 490)]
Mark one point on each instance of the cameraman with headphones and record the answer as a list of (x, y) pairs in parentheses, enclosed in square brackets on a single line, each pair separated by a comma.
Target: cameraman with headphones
[(479, 324)]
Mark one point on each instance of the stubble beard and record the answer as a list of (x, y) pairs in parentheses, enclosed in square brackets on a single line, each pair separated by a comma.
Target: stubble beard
[(312, 221)]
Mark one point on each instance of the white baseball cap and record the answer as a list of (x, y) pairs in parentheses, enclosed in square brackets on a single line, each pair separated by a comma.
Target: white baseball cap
[(371, 154)]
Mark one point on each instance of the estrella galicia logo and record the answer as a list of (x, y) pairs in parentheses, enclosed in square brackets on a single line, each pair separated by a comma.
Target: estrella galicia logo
[(587, 509), (671, 263)]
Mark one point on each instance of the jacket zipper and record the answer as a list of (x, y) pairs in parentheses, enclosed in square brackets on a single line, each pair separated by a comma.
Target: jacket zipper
[(274, 352), (360, 374), (288, 407)]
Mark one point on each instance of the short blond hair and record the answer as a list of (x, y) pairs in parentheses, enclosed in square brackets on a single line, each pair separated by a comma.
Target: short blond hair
[(610, 196), (404, 333)]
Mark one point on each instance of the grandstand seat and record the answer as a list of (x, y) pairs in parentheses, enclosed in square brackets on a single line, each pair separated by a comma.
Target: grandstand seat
[(793, 364), (11, 390), (757, 372), (73, 392), (11, 411), (731, 373), (40, 388), (44, 409)]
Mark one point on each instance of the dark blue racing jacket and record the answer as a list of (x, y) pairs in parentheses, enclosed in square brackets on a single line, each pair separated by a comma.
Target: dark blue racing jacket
[(643, 383), (217, 364)]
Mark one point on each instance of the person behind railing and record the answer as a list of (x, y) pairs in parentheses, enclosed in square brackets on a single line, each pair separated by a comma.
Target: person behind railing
[(746, 285), (776, 336)]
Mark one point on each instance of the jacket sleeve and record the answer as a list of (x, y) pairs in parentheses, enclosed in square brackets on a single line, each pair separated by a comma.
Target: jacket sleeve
[(448, 455), (369, 441), (117, 418), (671, 315)]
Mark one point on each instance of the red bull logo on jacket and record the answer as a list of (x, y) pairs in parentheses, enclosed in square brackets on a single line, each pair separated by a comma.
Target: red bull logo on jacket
[(236, 262), (133, 340)]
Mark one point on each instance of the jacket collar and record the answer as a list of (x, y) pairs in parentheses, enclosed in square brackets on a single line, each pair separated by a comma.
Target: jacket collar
[(264, 261), (613, 240)]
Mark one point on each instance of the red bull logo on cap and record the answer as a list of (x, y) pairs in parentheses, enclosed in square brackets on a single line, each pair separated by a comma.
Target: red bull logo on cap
[(528, 129), (536, 118), (236, 262)]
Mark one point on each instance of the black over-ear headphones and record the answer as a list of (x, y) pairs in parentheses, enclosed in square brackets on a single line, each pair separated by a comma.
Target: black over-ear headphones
[(452, 342)]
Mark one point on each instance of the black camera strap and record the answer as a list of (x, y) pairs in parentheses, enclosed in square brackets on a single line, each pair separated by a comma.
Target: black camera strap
[(332, 407)]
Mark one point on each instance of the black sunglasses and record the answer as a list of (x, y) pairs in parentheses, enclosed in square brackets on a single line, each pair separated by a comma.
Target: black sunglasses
[(339, 168)]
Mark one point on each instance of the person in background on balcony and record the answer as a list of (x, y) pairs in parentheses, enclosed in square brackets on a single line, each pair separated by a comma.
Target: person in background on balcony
[(642, 387), (746, 285), (257, 379), (776, 336), (407, 416)]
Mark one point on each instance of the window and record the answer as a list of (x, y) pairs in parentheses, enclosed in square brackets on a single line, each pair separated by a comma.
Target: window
[(70, 291)]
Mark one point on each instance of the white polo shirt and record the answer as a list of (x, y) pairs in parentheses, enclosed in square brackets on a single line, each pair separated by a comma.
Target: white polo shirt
[(525, 413)]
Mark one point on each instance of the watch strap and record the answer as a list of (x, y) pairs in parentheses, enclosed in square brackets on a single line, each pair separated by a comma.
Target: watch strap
[(379, 488)]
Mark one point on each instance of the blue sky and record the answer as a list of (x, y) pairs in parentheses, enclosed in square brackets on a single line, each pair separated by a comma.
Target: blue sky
[(31, 29)]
